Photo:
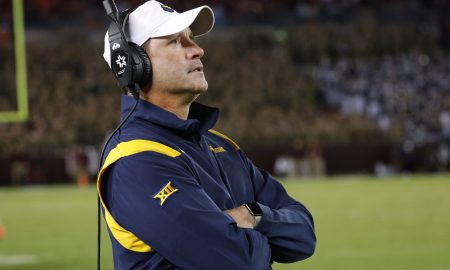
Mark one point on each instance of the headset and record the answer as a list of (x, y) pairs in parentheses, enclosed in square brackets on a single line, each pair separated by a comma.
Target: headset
[(132, 68), (130, 64)]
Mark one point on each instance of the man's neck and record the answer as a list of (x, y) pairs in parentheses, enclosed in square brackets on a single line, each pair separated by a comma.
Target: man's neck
[(177, 104)]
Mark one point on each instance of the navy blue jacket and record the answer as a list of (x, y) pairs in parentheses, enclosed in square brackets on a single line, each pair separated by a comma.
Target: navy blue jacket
[(165, 184)]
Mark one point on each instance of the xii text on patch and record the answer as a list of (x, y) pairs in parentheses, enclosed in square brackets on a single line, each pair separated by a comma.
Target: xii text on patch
[(165, 192)]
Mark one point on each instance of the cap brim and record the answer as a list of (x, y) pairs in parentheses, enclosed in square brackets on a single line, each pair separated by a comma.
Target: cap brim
[(200, 20)]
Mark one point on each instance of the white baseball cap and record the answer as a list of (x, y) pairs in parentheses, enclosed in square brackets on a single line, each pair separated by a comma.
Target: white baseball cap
[(154, 19)]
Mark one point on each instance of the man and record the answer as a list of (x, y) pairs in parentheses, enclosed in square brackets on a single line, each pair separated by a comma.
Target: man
[(177, 194)]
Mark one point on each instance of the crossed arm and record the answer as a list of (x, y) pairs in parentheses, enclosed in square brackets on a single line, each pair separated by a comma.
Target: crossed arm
[(191, 232)]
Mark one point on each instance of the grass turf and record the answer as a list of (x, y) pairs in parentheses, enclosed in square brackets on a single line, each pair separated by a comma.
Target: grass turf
[(396, 223)]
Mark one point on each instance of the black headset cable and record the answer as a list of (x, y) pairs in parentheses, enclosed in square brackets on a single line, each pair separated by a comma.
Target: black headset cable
[(135, 92), (114, 15)]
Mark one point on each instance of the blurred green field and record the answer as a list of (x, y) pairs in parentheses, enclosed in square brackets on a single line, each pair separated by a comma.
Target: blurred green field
[(361, 222)]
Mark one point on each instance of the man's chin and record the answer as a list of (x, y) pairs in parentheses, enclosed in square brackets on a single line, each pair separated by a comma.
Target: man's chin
[(195, 89), (201, 87)]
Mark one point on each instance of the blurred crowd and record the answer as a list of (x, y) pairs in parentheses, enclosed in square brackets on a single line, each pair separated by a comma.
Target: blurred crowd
[(297, 87), (56, 13), (408, 90), (407, 95)]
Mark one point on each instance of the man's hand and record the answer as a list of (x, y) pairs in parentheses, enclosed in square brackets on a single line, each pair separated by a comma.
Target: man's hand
[(242, 217)]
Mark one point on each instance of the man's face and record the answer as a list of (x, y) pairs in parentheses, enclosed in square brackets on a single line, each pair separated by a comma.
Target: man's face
[(176, 64)]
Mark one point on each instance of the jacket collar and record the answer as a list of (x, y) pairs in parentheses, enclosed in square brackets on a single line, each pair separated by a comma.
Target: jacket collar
[(201, 117)]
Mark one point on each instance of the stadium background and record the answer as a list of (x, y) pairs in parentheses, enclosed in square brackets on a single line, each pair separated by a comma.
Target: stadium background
[(311, 90)]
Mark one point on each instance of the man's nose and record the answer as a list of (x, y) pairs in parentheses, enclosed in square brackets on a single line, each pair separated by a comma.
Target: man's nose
[(195, 51)]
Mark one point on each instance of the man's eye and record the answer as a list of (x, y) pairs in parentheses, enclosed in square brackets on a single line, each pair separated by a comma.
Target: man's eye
[(175, 41)]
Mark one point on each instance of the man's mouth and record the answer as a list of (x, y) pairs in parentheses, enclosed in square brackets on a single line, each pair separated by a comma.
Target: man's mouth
[(197, 69)]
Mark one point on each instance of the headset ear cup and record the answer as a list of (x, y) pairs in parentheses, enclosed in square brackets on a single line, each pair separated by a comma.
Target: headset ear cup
[(142, 67)]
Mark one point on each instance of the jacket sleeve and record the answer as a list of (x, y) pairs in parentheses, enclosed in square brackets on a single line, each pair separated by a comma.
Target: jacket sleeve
[(187, 228), (288, 225)]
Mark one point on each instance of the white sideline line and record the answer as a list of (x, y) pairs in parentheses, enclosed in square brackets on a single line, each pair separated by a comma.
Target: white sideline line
[(17, 260)]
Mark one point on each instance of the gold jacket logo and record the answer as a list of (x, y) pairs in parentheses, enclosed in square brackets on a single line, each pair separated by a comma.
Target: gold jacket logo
[(216, 150), (164, 193)]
